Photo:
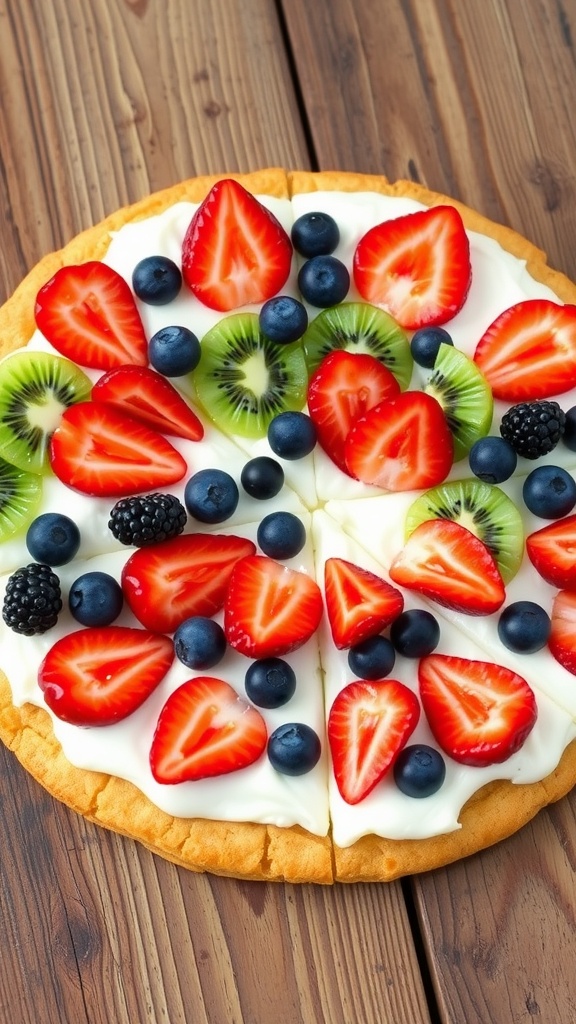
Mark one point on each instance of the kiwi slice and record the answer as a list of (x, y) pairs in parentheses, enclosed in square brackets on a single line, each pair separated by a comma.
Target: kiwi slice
[(243, 379), (359, 327), (464, 394), (484, 510), (20, 494)]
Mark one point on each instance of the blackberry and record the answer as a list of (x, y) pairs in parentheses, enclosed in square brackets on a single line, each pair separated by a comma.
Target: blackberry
[(32, 600), (147, 519), (533, 428)]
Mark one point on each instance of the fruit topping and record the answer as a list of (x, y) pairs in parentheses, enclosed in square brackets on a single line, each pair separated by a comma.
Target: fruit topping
[(465, 396), (262, 477), (492, 459), (211, 496), (148, 396), (283, 319), (95, 599), (315, 234), (415, 633), (533, 428), (174, 351), (53, 538), (292, 435), (363, 329), (147, 519), (199, 642), (270, 682), (372, 658), (562, 641), (524, 627), (20, 496), (419, 770), (156, 280), (552, 551), (569, 434), (549, 492), (32, 600), (324, 281), (359, 604), (281, 535), (425, 345), (294, 749)]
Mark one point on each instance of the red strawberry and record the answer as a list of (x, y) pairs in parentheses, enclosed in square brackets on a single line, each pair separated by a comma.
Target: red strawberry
[(205, 729), (235, 251), (479, 713), (401, 444), (552, 551), (444, 561), (368, 724), (149, 397), (359, 603), (345, 385), (562, 640), (529, 352), (88, 314), (99, 450), (416, 266), (168, 582), (98, 676), (270, 609)]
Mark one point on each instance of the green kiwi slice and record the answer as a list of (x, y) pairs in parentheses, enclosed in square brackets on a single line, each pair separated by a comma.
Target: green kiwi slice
[(35, 389), (20, 494), (464, 394), (484, 510), (363, 328), (243, 379)]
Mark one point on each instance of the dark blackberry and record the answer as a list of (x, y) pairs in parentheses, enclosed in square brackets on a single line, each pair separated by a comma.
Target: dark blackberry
[(533, 428), (32, 600), (147, 519)]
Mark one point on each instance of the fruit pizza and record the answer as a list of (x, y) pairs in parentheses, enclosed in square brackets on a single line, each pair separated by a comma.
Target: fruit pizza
[(288, 527)]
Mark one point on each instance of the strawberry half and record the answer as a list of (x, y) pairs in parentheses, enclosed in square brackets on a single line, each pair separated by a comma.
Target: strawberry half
[(417, 266), (188, 575), (98, 676), (479, 713), (88, 313), (205, 729), (562, 639), (368, 724), (529, 352), (401, 444), (345, 385), (270, 609), (359, 603), (552, 551), (149, 397), (235, 251), (99, 450), (446, 562)]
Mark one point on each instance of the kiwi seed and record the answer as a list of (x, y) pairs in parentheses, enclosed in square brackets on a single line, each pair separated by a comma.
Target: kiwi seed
[(20, 494), (465, 396)]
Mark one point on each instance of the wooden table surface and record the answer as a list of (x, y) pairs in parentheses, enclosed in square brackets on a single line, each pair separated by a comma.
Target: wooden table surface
[(102, 101)]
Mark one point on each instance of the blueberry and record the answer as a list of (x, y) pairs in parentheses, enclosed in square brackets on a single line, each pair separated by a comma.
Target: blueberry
[(270, 682), (415, 633), (294, 748), (199, 642), (281, 535), (549, 492), (569, 435), (95, 599), (283, 319), (53, 539), (211, 495), (492, 459), (426, 343), (419, 770), (524, 627), (174, 351), (315, 234), (372, 658), (262, 477), (156, 280), (292, 435), (324, 281)]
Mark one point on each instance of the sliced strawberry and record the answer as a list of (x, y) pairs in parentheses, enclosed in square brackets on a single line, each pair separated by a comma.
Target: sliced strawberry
[(189, 575), (401, 444), (359, 603), (444, 561), (346, 385), (88, 313), (368, 724), (552, 551), (529, 352), (479, 713), (270, 609), (98, 676), (101, 451), (205, 729), (562, 640), (416, 266), (235, 251), (149, 397)]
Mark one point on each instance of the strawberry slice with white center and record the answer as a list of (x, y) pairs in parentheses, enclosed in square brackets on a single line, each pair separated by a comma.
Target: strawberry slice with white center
[(344, 386), (99, 450), (270, 609), (416, 266), (235, 251), (100, 675), (529, 352), (368, 725), (205, 729), (552, 551), (446, 562), (401, 444), (562, 639), (166, 583), (479, 713), (359, 603), (88, 314), (149, 397)]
